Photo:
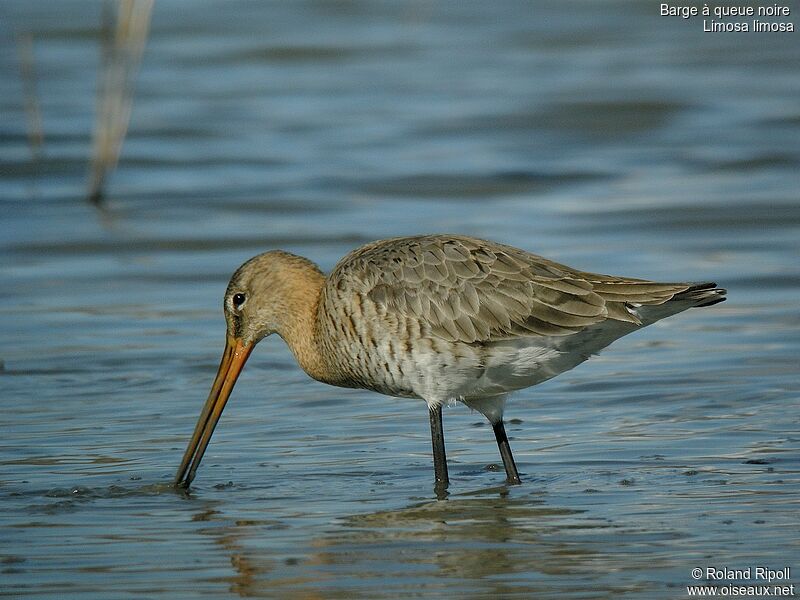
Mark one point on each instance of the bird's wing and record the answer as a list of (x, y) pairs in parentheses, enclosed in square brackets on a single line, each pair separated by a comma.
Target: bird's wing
[(471, 290)]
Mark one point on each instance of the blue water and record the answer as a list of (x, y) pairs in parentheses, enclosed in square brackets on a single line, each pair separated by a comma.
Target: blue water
[(596, 133)]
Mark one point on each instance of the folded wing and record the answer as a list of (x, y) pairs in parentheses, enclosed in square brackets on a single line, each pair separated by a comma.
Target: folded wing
[(474, 291)]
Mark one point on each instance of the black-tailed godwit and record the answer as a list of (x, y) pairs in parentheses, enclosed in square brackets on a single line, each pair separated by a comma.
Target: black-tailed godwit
[(436, 317)]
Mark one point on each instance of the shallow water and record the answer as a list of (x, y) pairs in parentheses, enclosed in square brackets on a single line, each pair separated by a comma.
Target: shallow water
[(596, 133)]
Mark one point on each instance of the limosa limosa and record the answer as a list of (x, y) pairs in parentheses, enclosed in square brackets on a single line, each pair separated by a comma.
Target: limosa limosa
[(436, 317)]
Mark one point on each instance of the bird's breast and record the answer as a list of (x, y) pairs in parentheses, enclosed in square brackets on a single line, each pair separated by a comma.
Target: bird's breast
[(368, 347)]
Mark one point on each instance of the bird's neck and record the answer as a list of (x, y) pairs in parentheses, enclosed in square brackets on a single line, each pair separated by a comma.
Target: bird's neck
[(299, 330)]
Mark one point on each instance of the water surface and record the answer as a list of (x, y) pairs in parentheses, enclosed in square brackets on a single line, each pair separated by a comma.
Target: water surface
[(596, 133)]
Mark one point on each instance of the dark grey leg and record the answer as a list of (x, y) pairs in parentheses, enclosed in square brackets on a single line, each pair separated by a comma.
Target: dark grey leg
[(505, 451), (437, 440)]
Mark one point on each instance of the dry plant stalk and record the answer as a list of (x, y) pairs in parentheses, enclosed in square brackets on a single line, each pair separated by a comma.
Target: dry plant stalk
[(27, 66), (122, 49)]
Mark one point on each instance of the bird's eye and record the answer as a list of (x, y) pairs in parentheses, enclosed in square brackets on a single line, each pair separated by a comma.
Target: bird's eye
[(238, 300)]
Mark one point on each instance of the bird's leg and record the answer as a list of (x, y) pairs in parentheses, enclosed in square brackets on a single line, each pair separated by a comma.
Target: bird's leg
[(437, 440), (505, 451)]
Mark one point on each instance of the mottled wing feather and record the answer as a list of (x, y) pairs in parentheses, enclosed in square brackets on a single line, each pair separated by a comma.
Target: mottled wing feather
[(638, 292), (470, 290)]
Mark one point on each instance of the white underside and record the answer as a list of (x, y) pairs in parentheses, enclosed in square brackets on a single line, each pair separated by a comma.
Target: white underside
[(516, 364)]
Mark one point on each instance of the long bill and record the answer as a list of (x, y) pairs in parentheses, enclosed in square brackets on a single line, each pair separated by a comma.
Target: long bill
[(233, 359)]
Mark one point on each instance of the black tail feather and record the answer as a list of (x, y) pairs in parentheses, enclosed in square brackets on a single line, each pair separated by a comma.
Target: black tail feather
[(704, 294)]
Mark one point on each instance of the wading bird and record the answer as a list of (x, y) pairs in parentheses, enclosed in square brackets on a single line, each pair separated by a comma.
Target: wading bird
[(436, 317)]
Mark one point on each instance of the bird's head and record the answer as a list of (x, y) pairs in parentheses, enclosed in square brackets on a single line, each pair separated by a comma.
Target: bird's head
[(270, 293), (264, 295)]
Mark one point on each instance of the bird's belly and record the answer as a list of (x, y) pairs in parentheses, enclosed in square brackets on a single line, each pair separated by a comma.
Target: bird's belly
[(443, 371), (401, 358), (499, 369)]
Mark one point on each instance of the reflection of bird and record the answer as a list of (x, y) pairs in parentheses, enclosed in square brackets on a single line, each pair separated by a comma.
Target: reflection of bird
[(438, 317)]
